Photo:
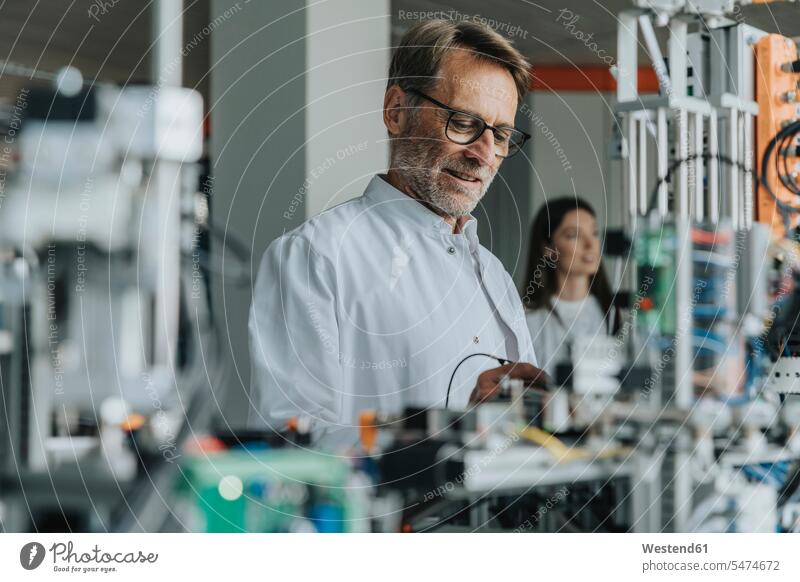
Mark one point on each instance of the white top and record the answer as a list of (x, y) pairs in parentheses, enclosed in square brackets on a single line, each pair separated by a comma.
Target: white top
[(552, 335), (370, 306)]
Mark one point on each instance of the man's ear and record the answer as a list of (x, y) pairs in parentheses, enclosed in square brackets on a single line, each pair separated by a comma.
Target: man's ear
[(395, 113)]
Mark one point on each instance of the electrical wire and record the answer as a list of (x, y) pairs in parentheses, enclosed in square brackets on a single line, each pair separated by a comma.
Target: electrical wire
[(678, 163), (785, 177), (789, 131), (502, 362)]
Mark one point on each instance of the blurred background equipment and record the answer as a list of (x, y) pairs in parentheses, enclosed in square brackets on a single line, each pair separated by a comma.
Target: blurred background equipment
[(123, 301), (106, 321), (687, 420), (260, 482)]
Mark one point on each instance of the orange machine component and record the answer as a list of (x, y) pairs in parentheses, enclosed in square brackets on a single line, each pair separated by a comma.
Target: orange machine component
[(775, 90), (368, 429)]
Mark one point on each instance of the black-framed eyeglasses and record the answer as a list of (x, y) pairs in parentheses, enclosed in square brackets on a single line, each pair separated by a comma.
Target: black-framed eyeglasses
[(465, 128)]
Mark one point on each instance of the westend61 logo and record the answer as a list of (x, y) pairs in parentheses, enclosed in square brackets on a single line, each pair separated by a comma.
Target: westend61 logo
[(66, 559)]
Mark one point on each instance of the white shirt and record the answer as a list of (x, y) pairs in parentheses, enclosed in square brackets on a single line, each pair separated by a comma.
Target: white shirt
[(553, 335), (370, 306)]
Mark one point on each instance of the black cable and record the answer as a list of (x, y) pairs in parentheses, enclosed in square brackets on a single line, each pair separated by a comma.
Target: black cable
[(790, 130), (781, 168), (784, 153), (782, 173), (791, 66), (502, 361), (678, 163), (780, 160)]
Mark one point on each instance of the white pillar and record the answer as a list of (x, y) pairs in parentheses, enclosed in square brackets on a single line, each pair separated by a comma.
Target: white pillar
[(347, 55), (293, 83)]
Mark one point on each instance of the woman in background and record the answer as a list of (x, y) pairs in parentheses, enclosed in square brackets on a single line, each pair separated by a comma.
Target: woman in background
[(566, 289)]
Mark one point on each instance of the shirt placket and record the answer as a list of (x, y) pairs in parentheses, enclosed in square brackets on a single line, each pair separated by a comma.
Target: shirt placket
[(457, 247)]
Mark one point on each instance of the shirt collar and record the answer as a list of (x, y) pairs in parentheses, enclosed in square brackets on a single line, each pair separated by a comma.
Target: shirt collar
[(381, 192)]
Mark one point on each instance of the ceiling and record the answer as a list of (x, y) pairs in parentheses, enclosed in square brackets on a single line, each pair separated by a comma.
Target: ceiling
[(546, 39), (47, 34)]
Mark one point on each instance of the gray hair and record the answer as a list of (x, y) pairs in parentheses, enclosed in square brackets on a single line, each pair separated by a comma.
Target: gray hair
[(417, 61)]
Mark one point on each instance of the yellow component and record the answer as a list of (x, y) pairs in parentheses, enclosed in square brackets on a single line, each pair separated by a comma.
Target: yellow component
[(563, 453), (555, 447)]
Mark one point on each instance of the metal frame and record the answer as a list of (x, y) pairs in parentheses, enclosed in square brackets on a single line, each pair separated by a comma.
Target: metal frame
[(692, 133)]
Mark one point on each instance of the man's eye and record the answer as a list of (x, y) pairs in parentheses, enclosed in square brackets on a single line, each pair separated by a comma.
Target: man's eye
[(502, 136), (462, 125)]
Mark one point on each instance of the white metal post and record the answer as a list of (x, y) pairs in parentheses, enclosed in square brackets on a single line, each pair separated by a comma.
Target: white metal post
[(165, 187), (713, 169), (663, 161), (699, 190)]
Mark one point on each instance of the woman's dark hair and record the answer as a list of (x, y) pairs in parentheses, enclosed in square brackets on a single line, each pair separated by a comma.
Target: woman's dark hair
[(541, 283)]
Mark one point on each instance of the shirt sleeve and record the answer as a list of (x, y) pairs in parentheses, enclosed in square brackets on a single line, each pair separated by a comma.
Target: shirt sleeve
[(537, 326), (527, 353), (294, 340)]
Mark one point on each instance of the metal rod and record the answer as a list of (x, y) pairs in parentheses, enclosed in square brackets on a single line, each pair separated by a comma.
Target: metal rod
[(663, 161), (699, 190), (713, 168), (747, 158), (741, 155), (165, 181), (167, 36), (682, 135), (654, 51), (677, 57), (733, 171), (642, 154), (627, 57), (632, 197)]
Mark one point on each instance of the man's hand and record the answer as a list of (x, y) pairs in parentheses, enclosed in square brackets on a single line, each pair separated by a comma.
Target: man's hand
[(489, 381)]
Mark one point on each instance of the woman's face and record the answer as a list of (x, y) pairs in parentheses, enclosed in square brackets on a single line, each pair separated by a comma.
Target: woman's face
[(576, 244)]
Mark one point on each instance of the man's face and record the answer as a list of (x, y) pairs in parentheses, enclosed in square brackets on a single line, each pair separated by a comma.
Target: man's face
[(451, 177)]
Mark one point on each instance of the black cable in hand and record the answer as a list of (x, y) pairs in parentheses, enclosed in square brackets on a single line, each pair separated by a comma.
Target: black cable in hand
[(502, 362)]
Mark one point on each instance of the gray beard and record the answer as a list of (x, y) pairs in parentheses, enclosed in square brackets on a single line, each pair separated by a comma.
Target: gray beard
[(419, 162)]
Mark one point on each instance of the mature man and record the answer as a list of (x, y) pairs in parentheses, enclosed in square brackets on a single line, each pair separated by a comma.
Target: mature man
[(374, 303)]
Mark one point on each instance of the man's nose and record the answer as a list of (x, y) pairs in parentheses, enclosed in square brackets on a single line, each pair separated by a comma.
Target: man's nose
[(482, 149)]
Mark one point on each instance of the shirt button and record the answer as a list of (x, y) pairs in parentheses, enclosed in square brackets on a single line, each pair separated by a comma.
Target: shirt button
[(451, 250), (476, 340)]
